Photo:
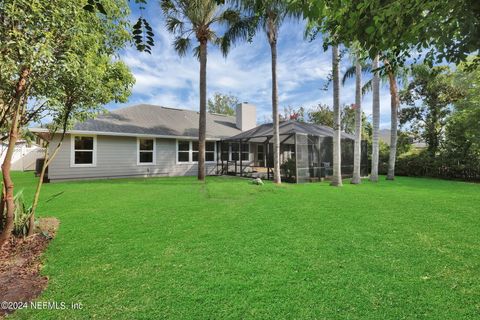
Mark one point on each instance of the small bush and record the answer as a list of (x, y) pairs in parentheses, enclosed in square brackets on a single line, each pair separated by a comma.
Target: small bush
[(21, 215), (289, 169)]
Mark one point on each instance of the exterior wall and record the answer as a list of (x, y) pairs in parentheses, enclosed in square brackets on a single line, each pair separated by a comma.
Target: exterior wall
[(116, 157)]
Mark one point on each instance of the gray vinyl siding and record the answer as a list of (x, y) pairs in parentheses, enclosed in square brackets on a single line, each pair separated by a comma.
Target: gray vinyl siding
[(116, 157)]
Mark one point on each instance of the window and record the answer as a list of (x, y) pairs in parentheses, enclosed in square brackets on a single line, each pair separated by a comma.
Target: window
[(83, 151), (235, 148), (195, 151), (188, 151), (261, 155), (183, 151), (235, 152), (225, 151), (210, 151), (245, 152), (146, 151)]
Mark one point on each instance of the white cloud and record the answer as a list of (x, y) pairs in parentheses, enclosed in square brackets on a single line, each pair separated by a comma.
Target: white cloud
[(164, 78)]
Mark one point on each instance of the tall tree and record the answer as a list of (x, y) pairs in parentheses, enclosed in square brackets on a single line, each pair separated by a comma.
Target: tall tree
[(8, 186), (358, 122), (436, 30), (271, 27), (391, 74), (358, 114), (188, 18), (87, 82), (291, 113), (428, 99), (222, 104), (394, 105), (375, 120), (462, 133), (323, 114), (337, 135), (33, 50), (268, 15)]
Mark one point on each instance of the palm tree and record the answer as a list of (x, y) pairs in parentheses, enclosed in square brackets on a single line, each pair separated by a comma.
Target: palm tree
[(373, 84), (357, 70), (188, 18), (337, 155), (394, 105), (376, 120), (358, 123), (269, 15)]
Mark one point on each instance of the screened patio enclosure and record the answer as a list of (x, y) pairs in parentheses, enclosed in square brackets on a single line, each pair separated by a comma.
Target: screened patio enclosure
[(306, 153)]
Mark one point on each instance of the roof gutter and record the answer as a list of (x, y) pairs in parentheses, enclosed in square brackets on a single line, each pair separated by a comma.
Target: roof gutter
[(121, 134)]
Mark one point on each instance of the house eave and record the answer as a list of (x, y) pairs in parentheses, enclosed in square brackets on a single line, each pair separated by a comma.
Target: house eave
[(124, 134)]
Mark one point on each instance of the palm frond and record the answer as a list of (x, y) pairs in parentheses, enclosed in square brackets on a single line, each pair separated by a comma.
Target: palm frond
[(241, 30), (366, 67), (181, 45), (224, 45), (367, 87), (174, 24), (349, 73), (229, 16), (196, 52), (168, 7)]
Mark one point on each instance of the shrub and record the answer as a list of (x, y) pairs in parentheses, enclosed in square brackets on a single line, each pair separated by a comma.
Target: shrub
[(289, 169), (21, 215), (442, 166)]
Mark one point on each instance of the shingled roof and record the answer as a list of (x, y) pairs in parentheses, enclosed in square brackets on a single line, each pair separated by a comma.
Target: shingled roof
[(154, 120), (287, 128)]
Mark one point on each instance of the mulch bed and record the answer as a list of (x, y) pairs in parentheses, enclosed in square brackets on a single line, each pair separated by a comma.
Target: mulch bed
[(20, 264)]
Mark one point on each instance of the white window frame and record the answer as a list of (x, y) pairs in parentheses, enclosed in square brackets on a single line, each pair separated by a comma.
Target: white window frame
[(154, 151), (230, 151), (190, 152), (72, 151)]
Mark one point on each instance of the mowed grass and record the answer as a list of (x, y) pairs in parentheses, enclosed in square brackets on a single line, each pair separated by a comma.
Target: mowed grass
[(173, 248)]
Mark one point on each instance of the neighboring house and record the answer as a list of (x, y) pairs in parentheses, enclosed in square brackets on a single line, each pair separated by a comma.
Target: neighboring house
[(416, 143), (144, 140), (384, 136), (24, 156)]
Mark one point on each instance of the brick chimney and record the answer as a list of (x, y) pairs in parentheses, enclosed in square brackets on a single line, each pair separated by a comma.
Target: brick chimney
[(246, 115)]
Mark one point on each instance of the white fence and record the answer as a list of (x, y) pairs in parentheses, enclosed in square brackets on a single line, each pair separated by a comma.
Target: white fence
[(24, 158)]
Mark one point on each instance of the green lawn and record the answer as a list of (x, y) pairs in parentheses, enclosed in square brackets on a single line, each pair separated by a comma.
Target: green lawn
[(173, 248)]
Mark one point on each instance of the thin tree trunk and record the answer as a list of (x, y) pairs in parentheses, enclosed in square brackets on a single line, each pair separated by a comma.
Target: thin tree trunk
[(357, 152), (337, 152), (13, 136), (202, 125), (376, 121), (31, 220), (69, 106), (276, 134), (394, 103), (2, 208), (36, 197)]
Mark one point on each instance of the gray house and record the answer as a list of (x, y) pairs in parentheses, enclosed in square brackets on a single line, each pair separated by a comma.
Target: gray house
[(146, 140), (150, 141)]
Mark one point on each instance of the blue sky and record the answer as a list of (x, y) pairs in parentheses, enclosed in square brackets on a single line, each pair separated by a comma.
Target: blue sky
[(166, 79)]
